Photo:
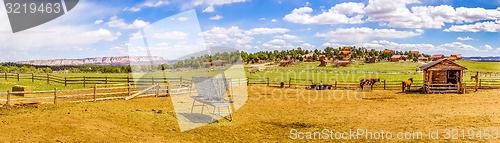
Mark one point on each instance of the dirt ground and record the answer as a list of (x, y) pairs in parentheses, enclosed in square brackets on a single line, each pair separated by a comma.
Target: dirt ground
[(269, 115)]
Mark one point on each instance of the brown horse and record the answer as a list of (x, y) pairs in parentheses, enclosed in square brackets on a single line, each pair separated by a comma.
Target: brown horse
[(370, 82), (407, 84), (252, 72)]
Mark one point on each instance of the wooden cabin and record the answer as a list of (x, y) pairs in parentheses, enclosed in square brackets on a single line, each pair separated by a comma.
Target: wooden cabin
[(342, 63), (291, 58), (443, 76), (437, 57), (346, 48), (423, 59), (396, 58), (387, 51), (371, 60), (325, 63), (285, 63), (457, 56), (322, 57), (452, 58), (415, 53)]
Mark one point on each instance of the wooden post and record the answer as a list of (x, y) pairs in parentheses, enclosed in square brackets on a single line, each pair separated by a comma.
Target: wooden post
[(32, 77), (55, 96), (65, 81), (95, 92), (106, 81), (267, 81), (430, 82), (335, 84), (5, 75), (129, 89), (17, 76), (248, 81), (8, 97), (153, 80), (157, 90), (477, 80), (83, 81), (384, 84), (128, 79)]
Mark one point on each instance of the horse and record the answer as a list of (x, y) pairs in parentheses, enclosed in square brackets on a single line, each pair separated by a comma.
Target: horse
[(252, 72), (407, 84), (370, 82)]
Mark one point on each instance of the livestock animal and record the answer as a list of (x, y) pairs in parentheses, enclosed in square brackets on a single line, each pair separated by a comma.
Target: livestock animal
[(370, 82), (252, 72), (407, 84)]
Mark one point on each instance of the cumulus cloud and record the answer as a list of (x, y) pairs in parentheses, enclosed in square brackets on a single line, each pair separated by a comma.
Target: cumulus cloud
[(465, 38), (336, 15), (488, 26), (488, 47), (212, 3), (274, 20), (132, 9), (384, 44), (118, 22), (459, 46), (216, 17), (239, 38), (289, 37), (146, 4), (259, 31), (364, 34), (98, 21)]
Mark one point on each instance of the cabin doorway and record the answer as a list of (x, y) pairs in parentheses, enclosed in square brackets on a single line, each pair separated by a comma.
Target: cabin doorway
[(453, 76)]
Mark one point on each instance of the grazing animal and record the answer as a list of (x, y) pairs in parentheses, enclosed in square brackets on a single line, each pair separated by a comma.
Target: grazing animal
[(407, 84), (370, 82), (252, 72)]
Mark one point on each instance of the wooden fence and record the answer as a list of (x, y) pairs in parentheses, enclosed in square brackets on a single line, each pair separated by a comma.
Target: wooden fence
[(97, 93), (384, 84)]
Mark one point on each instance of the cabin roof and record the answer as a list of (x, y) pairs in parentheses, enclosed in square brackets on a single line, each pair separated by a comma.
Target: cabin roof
[(396, 56), (328, 61), (285, 61), (424, 67), (437, 56)]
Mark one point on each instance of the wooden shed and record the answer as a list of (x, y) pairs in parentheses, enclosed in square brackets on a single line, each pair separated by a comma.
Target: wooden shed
[(396, 58), (437, 57), (285, 63), (325, 63), (423, 59), (443, 76)]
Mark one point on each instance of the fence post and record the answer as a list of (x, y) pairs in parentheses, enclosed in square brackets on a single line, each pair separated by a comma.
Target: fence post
[(129, 89), (384, 84), (83, 81), (32, 77), (153, 80), (8, 97), (5, 75), (157, 90), (48, 79), (65, 81), (17, 76), (55, 96), (335, 84), (267, 81), (95, 92), (128, 79), (106, 82)]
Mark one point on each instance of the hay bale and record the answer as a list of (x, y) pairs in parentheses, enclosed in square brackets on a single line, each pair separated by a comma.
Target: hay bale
[(19, 88)]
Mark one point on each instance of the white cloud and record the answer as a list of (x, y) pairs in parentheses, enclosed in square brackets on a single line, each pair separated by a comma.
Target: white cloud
[(274, 20), (307, 46), (333, 16), (459, 46), (183, 18), (364, 34), (277, 41), (488, 26), (488, 47), (384, 44), (333, 45), (262, 18), (133, 9), (136, 35), (216, 17), (258, 31), (175, 35), (157, 4), (98, 21), (465, 38), (212, 3), (289, 37), (117, 22)]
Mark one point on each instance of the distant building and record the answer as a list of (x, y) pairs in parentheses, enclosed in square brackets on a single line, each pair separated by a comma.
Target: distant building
[(396, 58), (423, 59), (457, 56), (437, 57), (387, 51), (346, 48), (325, 63), (415, 53), (342, 63), (322, 57), (285, 63)]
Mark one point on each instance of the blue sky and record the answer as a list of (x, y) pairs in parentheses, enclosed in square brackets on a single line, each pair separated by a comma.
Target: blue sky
[(110, 28)]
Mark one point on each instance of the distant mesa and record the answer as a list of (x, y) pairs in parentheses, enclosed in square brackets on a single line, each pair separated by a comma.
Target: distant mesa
[(116, 61)]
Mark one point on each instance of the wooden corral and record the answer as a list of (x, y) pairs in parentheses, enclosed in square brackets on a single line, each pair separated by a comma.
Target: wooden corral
[(443, 76), (325, 63)]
